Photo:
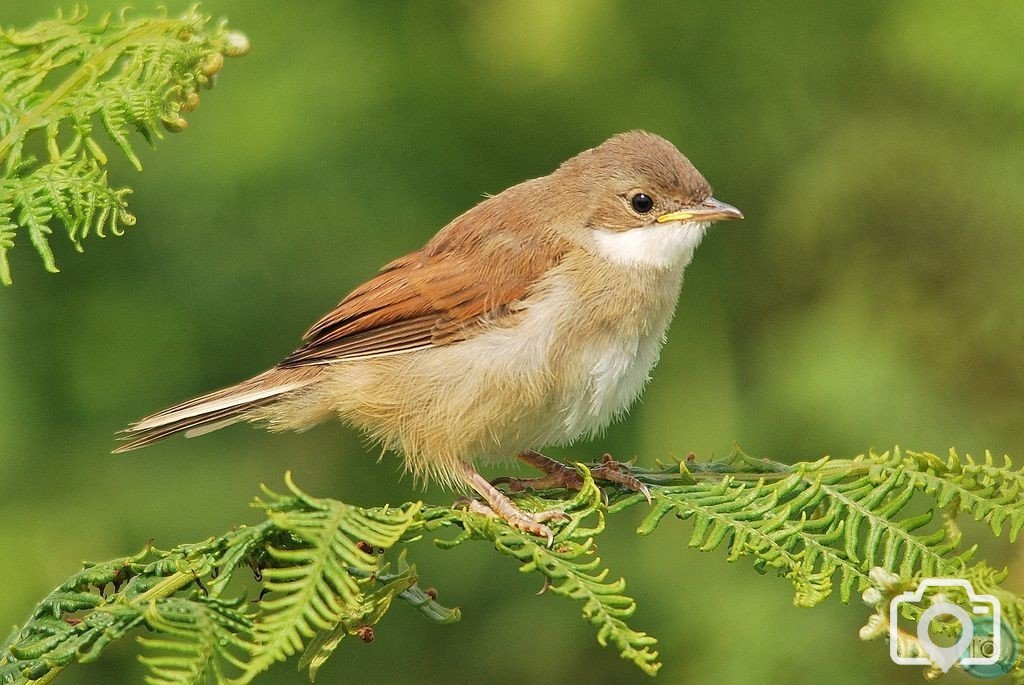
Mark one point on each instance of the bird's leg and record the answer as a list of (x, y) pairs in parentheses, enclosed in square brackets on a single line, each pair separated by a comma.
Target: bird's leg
[(559, 475), (499, 505), (556, 474)]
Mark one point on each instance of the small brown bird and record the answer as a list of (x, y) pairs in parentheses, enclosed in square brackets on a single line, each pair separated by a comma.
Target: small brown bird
[(533, 319)]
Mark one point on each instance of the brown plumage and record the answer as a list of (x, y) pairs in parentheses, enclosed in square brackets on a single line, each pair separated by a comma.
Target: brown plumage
[(531, 319), (436, 296)]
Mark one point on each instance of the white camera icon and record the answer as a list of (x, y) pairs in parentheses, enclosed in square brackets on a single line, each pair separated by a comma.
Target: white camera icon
[(982, 606)]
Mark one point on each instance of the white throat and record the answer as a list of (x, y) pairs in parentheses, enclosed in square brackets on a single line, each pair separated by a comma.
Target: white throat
[(660, 246)]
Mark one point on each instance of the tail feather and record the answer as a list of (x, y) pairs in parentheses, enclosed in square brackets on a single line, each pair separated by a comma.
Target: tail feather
[(217, 409)]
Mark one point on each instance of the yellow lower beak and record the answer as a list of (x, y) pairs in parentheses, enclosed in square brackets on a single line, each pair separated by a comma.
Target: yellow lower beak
[(708, 210)]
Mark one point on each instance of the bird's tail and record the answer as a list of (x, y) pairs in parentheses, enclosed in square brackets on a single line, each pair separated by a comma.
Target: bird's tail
[(217, 409)]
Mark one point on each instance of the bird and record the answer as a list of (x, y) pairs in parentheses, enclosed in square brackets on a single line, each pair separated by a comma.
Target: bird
[(533, 319)]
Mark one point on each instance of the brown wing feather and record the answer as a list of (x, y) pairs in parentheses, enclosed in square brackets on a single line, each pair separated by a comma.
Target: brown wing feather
[(438, 295)]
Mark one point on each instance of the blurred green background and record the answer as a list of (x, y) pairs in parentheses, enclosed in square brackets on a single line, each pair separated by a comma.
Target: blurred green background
[(871, 297)]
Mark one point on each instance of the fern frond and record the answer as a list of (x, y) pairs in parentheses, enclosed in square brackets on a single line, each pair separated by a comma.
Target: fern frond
[(571, 568), (7, 229), (819, 521), (196, 634), (74, 622), (990, 492), (313, 575), (357, 619), (320, 568), (127, 75)]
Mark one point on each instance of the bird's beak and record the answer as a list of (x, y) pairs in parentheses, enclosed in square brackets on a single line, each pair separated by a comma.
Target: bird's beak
[(708, 210)]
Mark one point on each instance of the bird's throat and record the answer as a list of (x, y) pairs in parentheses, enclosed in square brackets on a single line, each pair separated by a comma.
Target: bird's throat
[(660, 246)]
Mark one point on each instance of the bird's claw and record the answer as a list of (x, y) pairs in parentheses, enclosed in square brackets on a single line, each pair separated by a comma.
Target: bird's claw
[(559, 475), (617, 472), (527, 522)]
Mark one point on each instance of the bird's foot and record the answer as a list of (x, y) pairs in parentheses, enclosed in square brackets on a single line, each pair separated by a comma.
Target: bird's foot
[(500, 506), (559, 475), (528, 522)]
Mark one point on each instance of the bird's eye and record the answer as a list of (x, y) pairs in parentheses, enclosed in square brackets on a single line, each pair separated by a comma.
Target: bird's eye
[(641, 203)]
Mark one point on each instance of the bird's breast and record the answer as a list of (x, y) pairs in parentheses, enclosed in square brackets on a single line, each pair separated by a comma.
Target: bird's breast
[(612, 345), (611, 375)]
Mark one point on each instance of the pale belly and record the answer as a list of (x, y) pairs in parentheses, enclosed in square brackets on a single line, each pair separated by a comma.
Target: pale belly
[(613, 373), (591, 373)]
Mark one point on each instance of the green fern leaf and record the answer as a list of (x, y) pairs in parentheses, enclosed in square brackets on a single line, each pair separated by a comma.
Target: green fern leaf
[(7, 229), (989, 492), (832, 517), (571, 568), (313, 580), (130, 75), (195, 636), (820, 524), (371, 607)]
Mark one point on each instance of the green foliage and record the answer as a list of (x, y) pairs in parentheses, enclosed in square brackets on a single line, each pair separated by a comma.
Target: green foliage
[(59, 80), (818, 521), (194, 636), (312, 574), (326, 570), (571, 568)]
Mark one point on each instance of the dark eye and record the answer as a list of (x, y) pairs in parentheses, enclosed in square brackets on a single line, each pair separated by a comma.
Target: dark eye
[(641, 203)]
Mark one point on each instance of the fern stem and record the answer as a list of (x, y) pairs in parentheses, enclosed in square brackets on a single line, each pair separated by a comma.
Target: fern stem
[(166, 587)]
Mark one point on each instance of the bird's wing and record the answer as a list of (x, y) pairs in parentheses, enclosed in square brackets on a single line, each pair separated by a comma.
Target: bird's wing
[(435, 296)]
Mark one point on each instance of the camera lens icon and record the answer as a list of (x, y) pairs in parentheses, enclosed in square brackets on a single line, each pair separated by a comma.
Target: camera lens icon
[(996, 644), (985, 647)]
